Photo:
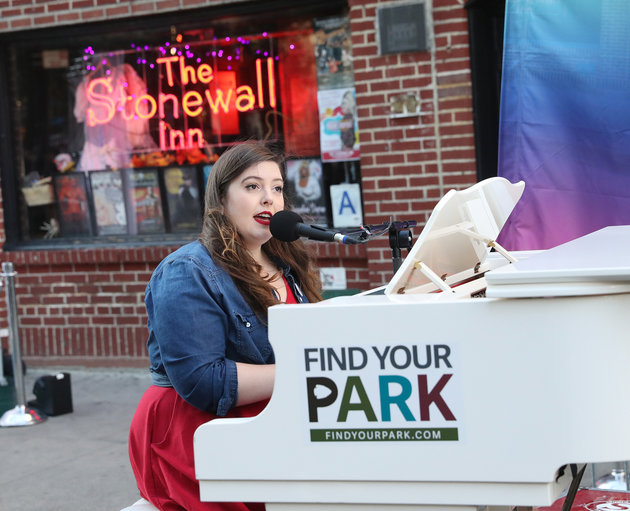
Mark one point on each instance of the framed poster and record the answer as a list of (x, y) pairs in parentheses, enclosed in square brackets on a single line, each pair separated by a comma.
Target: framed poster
[(144, 202), (108, 199), (74, 211), (182, 196), (305, 179), (338, 125)]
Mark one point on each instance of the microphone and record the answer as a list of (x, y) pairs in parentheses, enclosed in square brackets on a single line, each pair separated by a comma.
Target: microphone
[(288, 226)]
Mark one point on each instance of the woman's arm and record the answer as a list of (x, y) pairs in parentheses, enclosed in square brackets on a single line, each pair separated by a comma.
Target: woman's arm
[(187, 332), (255, 382)]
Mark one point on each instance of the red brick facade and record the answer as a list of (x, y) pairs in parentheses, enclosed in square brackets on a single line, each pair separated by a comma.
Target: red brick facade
[(85, 305)]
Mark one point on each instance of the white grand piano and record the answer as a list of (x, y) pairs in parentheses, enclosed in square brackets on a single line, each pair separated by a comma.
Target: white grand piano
[(465, 383)]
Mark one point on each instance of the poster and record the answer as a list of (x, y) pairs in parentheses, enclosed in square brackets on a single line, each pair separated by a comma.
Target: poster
[(333, 53), (305, 181), (182, 196), (145, 203), (71, 193), (109, 202), (338, 126)]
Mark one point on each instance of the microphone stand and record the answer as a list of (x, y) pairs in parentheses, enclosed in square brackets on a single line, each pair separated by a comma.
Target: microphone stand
[(400, 237)]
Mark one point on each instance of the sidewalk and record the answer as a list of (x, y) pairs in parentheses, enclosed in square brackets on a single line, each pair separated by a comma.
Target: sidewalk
[(77, 461)]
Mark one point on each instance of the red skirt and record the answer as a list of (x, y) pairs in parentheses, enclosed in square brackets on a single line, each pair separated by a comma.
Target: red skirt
[(162, 456)]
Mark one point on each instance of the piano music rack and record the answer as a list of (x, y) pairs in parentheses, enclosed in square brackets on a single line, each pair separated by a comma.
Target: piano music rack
[(453, 246)]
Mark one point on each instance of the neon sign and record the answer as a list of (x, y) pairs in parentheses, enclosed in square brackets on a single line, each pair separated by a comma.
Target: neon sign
[(109, 99)]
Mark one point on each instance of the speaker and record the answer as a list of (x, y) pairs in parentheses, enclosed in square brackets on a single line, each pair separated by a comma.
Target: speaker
[(53, 393)]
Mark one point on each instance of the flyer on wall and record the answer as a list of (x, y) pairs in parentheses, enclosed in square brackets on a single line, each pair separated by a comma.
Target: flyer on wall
[(109, 202), (338, 126), (145, 202), (305, 180)]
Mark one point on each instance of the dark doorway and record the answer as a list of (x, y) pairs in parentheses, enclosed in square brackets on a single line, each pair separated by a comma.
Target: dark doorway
[(485, 29)]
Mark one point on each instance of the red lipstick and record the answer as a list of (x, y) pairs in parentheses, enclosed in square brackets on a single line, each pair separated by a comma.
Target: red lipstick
[(264, 217)]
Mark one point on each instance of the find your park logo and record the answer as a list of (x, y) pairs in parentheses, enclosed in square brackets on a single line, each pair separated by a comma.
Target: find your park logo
[(401, 392)]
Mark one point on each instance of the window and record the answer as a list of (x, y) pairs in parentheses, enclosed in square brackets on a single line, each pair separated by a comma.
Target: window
[(115, 127)]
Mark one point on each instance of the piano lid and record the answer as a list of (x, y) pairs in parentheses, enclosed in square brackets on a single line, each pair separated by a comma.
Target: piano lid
[(598, 263), (455, 240)]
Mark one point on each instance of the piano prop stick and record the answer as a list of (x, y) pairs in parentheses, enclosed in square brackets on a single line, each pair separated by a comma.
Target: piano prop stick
[(441, 399)]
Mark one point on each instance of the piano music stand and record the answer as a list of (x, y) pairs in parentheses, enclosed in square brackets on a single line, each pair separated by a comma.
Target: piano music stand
[(454, 244)]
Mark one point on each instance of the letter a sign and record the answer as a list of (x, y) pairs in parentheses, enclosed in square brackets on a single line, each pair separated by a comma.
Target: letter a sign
[(346, 205)]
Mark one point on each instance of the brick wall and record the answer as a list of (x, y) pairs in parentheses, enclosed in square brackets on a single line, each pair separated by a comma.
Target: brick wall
[(85, 306), (407, 164)]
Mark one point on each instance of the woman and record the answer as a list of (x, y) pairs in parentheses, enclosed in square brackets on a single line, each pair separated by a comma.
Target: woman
[(207, 308)]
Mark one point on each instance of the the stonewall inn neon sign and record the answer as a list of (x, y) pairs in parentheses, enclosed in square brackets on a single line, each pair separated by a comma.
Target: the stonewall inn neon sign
[(101, 93)]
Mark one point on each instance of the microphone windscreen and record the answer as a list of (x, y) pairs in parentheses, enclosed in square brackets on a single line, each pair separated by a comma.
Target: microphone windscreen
[(283, 224)]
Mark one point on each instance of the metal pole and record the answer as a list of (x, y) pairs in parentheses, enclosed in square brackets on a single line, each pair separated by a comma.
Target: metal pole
[(3, 380), (21, 415), (14, 335)]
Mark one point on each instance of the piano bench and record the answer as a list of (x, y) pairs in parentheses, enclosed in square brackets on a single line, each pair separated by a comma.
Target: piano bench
[(141, 505)]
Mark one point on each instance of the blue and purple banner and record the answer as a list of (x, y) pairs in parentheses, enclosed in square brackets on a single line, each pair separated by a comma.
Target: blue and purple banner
[(565, 118)]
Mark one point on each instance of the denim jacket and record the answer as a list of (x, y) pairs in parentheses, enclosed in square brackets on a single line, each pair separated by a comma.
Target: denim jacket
[(200, 326)]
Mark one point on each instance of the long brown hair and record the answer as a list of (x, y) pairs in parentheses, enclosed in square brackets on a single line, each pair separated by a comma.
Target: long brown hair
[(225, 244)]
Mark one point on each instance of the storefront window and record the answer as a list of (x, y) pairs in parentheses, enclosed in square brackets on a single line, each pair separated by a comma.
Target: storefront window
[(115, 131)]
